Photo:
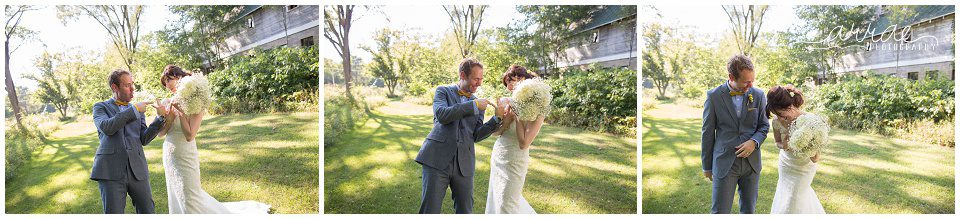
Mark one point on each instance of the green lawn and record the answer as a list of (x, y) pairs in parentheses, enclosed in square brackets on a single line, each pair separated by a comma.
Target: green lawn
[(272, 158), (372, 169), (858, 173)]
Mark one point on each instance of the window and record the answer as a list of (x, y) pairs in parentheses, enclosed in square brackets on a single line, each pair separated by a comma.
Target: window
[(250, 23), (595, 36), (932, 75), (307, 42), (912, 76)]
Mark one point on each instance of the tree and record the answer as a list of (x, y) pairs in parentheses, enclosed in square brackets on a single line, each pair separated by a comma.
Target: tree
[(547, 30), (466, 21), (666, 56), (494, 49), (338, 20), (13, 30), (55, 86), (156, 53), (201, 33), (819, 28), (122, 23), (746, 21), (782, 63), (388, 63), (435, 61)]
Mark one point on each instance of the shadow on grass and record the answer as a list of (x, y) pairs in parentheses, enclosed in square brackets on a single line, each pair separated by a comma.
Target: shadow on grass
[(43, 181), (858, 173), (267, 158), (372, 170)]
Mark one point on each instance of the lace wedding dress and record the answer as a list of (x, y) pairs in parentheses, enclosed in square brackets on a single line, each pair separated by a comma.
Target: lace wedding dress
[(794, 194), (181, 165), (508, 171)]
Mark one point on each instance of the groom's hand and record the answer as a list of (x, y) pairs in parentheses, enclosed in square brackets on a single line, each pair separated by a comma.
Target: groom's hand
[(482, 103), (161, 110), (708, 174), (141, 106), (745, 149)]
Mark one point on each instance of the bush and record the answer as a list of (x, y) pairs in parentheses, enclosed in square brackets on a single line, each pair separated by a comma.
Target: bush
[(342, 114), (886, 105), (596, 99), (940, 133), (22, 142), (276, 80)]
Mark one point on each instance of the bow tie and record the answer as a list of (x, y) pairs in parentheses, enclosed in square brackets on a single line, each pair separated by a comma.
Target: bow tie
[(121, 103), (737, 93), (462, 93)]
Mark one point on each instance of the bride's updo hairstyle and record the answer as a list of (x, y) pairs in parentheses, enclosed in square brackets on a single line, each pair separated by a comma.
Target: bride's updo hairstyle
[(782, 97), (171, 72), (517, 71)]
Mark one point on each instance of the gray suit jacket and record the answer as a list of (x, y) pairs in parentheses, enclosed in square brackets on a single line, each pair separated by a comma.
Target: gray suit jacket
[(122, 136), (723, 130), (456, 126)]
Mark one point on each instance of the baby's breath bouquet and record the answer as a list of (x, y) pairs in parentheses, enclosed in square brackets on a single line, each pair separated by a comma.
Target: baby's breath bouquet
[(193, 93), (531, 99), (809, 134)]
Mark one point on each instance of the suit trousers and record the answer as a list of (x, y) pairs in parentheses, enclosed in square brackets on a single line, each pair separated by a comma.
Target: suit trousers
[(434, 188), (741, 178), (113, 194)]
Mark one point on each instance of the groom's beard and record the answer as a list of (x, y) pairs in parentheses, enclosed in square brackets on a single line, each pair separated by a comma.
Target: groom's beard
[(465, 87), (736, 88)]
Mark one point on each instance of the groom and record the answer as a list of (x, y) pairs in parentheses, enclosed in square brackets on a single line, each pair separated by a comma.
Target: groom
[(447, 155), (734, 126), (119, 166)]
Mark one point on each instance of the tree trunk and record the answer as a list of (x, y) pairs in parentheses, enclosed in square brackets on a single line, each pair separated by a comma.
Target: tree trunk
[(347, 68), (63, 111), (11, 89)]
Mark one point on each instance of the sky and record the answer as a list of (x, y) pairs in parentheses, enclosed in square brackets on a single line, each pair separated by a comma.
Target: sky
[(83, 34), (712, 21), (431, 20)]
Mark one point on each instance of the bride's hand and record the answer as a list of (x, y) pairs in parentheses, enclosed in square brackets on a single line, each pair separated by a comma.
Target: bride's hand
[(178, 107), (503, 101), (815, 158), (783, 146), (510, 115)]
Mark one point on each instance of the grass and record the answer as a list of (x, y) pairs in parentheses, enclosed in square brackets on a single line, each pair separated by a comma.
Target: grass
[(372, 169), (858, 173), (271, 158)]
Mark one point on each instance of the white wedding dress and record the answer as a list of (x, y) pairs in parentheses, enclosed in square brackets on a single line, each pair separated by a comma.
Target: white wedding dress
[(508, 171), (181, 165), (794, 194)]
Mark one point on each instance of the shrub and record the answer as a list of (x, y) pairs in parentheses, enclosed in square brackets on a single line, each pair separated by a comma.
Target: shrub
[(275, 80), (342, 114), (886, 105), (596, 99), (22, 142)]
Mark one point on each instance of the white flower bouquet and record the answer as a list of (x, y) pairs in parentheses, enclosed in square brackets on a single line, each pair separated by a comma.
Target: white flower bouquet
[(531, 99), (193, 93), (809, 134)]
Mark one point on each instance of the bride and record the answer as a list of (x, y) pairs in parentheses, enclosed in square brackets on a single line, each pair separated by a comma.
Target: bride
[(794, 194), (511, 154), (181, 160)]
